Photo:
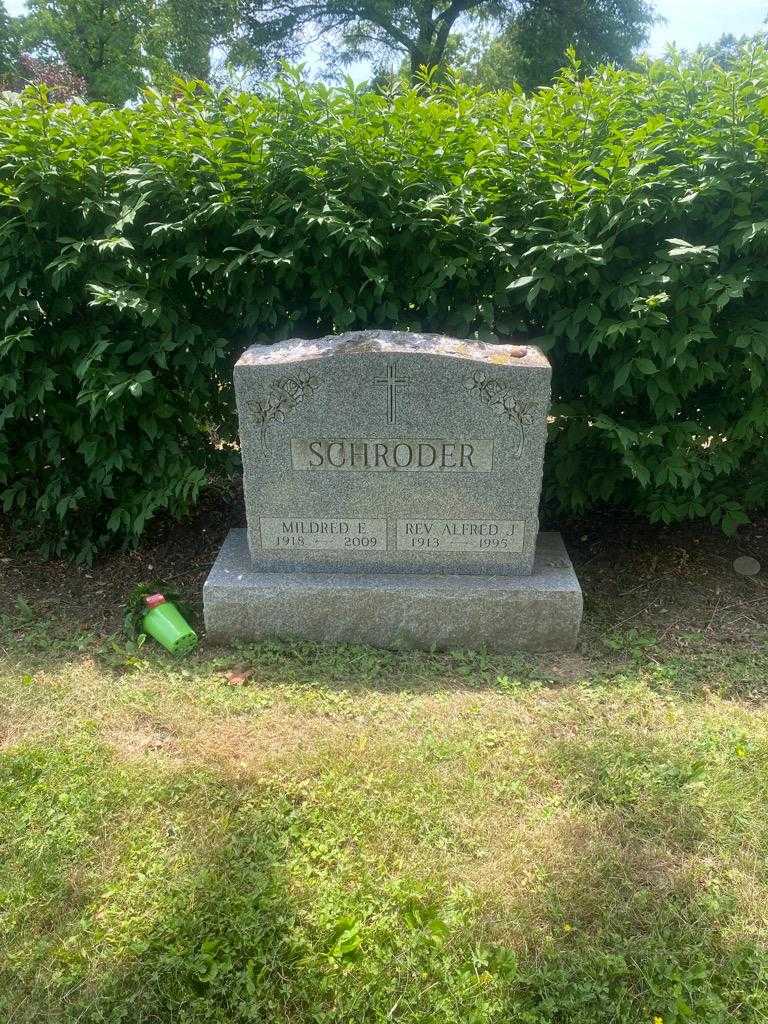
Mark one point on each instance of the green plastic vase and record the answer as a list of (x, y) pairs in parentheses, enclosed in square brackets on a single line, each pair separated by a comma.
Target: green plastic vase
[(168, 626)]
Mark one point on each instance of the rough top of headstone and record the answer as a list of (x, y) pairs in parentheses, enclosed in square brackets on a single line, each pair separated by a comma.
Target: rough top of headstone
[(355, 343)]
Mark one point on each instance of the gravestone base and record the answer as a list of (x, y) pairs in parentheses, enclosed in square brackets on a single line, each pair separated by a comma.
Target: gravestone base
[(540, 612)]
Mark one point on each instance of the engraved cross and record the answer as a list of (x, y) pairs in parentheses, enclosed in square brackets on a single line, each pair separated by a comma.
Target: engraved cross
[(392, 382)]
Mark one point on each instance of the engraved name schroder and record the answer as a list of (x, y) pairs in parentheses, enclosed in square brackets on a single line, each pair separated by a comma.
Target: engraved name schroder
[(392, 455)]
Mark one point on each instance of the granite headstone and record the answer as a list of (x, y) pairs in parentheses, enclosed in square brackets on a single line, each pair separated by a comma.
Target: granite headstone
[(392, 485)]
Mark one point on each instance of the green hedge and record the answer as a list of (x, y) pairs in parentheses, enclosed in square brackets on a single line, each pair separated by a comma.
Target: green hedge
[(623, 218)]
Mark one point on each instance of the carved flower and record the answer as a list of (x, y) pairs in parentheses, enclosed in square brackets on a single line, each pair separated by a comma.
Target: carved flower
[(283, 395), (293, 388), (518, 411), (487, 390), (301, 386)]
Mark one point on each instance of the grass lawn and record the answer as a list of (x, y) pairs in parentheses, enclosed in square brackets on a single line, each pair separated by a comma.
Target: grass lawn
[(291, 833)]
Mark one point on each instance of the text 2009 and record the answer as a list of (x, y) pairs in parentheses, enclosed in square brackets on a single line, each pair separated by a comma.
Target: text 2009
[(360, 542)]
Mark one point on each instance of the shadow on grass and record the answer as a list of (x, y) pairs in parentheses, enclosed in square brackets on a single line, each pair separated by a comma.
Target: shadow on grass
[(618, 928), (151, 893)]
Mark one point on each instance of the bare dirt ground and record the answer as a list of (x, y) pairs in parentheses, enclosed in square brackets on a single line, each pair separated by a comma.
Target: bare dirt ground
[(672, 581)]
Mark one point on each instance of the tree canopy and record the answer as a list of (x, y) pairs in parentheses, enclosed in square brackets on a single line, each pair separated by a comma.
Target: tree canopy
[(119, 46), (9, 44), (727, 50), (536, 32), (531, 48), (422, 29)]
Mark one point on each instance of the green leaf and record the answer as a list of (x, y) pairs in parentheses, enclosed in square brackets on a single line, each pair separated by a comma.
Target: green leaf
[(645, 365), (621, 376), (733, 519), (346, 940), (522, 282)]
